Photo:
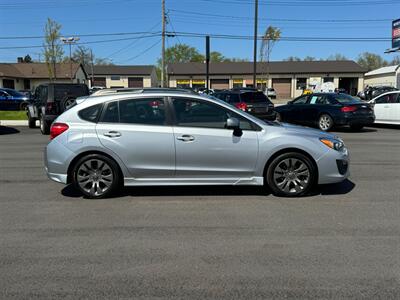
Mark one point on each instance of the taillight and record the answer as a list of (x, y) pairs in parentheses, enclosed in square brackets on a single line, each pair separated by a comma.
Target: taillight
[(346, 109), (241, 106), (56, 129), (154, 104)]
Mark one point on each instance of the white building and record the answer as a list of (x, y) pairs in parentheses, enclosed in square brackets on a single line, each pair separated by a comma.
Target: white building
[(386, 76)]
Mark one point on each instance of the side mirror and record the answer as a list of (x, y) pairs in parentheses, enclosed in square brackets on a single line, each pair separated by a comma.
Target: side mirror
[(233, 123)]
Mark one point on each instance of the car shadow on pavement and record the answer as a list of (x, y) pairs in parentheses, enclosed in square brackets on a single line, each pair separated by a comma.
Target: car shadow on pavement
[(348, 129), (8, 130), (340, 188), (153, 191)]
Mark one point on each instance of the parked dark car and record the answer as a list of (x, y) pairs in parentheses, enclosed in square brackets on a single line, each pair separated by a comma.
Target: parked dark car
[(249, 100), (52, 99), (326, 110), (12, 100)]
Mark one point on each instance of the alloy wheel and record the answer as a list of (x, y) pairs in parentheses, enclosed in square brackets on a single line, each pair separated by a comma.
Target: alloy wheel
[(325, 122), (291, 176), (95, 177)]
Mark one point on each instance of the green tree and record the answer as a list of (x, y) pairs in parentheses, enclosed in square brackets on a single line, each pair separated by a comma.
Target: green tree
[(52, 48), (309, 58), (371, 61), (27, 59), (395, 60)]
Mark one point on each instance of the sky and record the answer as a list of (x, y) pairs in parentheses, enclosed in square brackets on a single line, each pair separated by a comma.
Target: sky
[(295, 18)]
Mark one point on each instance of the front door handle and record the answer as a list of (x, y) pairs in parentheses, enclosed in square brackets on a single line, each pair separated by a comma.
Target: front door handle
[(185, 138), (112, 134)]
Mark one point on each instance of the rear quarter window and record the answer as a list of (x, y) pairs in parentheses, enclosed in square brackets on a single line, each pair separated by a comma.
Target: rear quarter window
[(254, 97), (91, 113)]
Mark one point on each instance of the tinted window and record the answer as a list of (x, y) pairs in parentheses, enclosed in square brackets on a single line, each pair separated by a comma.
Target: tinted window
[(90, 113), (69, 91), (111, 114), (254, 97), (345, 99), (192, 113), (142, 111), (232, 98), (390, 98), (300, 100), (319, 99)]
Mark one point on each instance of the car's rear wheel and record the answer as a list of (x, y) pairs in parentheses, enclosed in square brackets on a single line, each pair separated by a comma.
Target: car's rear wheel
[(44, 125), (325, 122), (96, 176), (291, 174)]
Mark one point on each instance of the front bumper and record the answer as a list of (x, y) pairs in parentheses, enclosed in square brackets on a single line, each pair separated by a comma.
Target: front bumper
[(333, 167)]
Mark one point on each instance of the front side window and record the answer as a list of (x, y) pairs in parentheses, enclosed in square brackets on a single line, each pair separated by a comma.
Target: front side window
[(193, 113), (300, 100), (149, 111)]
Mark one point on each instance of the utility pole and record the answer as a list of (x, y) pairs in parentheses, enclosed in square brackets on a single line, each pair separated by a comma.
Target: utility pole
[(207, 61), (255, 44), (69, 41), (163, 43)]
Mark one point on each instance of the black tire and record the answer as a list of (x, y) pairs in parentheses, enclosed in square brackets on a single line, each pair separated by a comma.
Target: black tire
[(31, 122), (23, 106), (44, 126), (278, 117), (325, 122), (297, 180), (66, 103), (97, 168), (356, 127)]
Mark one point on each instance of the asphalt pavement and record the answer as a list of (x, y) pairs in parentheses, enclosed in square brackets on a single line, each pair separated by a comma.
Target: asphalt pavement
[(343, 241)]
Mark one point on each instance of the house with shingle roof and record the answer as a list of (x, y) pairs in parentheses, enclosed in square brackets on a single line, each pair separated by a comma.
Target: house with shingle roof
[(27, 76)]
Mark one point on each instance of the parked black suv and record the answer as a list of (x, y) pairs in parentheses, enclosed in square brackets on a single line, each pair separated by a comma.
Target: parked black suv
[(51, 100), (249, 100)]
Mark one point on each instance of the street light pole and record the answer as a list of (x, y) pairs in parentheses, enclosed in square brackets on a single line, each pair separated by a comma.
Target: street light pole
[(255, 44), (69, 41)]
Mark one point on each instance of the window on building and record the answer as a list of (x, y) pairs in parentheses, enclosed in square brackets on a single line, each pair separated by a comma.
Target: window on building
[(115, 77), (328, 79), (183, 84), (301, 83), (237, 83)]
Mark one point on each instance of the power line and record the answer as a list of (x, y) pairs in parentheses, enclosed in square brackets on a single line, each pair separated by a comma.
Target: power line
[(78, 35), (144, 51)]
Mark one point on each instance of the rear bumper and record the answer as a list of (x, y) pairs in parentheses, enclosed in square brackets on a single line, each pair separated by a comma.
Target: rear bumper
[(61, 178), (356, 120), (57, 158)]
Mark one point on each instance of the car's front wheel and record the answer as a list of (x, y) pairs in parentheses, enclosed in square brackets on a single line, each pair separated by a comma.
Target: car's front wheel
[(291, 174), (96, 176)]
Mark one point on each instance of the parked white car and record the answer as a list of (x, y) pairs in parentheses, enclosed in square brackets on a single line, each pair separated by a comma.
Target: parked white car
[(387, 108)]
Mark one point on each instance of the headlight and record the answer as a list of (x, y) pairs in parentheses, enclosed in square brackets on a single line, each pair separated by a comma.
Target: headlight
[(335, 144)]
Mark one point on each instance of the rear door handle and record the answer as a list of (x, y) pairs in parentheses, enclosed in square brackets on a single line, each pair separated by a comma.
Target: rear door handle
[(112, 134), (185, 138)]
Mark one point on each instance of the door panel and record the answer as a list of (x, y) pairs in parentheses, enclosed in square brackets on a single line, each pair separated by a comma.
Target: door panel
[(215, 153), (135, 130), (205, 148)]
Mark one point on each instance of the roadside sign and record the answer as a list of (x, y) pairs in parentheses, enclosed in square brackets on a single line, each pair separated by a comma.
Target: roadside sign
[(396, 34)]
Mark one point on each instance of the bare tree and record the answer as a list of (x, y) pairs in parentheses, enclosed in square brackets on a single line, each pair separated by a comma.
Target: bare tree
[(52, 48), (270, 37)]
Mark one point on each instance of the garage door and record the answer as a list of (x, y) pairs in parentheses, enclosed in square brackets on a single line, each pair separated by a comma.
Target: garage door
[(283, 87), (99, 81), (135, 82), (220, 84)]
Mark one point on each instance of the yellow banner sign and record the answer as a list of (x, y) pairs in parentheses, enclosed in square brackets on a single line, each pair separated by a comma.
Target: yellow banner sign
[(198, 81), (261, 80), (238, 81), (183, 81)]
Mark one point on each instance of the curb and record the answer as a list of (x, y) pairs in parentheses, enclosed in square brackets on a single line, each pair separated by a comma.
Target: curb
[(14, 122)]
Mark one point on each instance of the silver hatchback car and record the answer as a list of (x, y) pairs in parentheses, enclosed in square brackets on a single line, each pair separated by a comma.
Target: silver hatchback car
[(172, 138)]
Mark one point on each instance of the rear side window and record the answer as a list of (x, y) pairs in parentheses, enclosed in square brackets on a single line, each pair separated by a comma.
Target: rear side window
[(254, 97), (91, 113), (69, 91), (111, 113), (149, 111)]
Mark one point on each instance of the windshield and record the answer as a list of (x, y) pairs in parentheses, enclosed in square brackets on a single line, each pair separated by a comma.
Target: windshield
[(254, 97), (345, 99)]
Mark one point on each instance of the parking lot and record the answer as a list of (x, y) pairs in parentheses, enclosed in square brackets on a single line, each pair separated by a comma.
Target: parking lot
[(201, 242)]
